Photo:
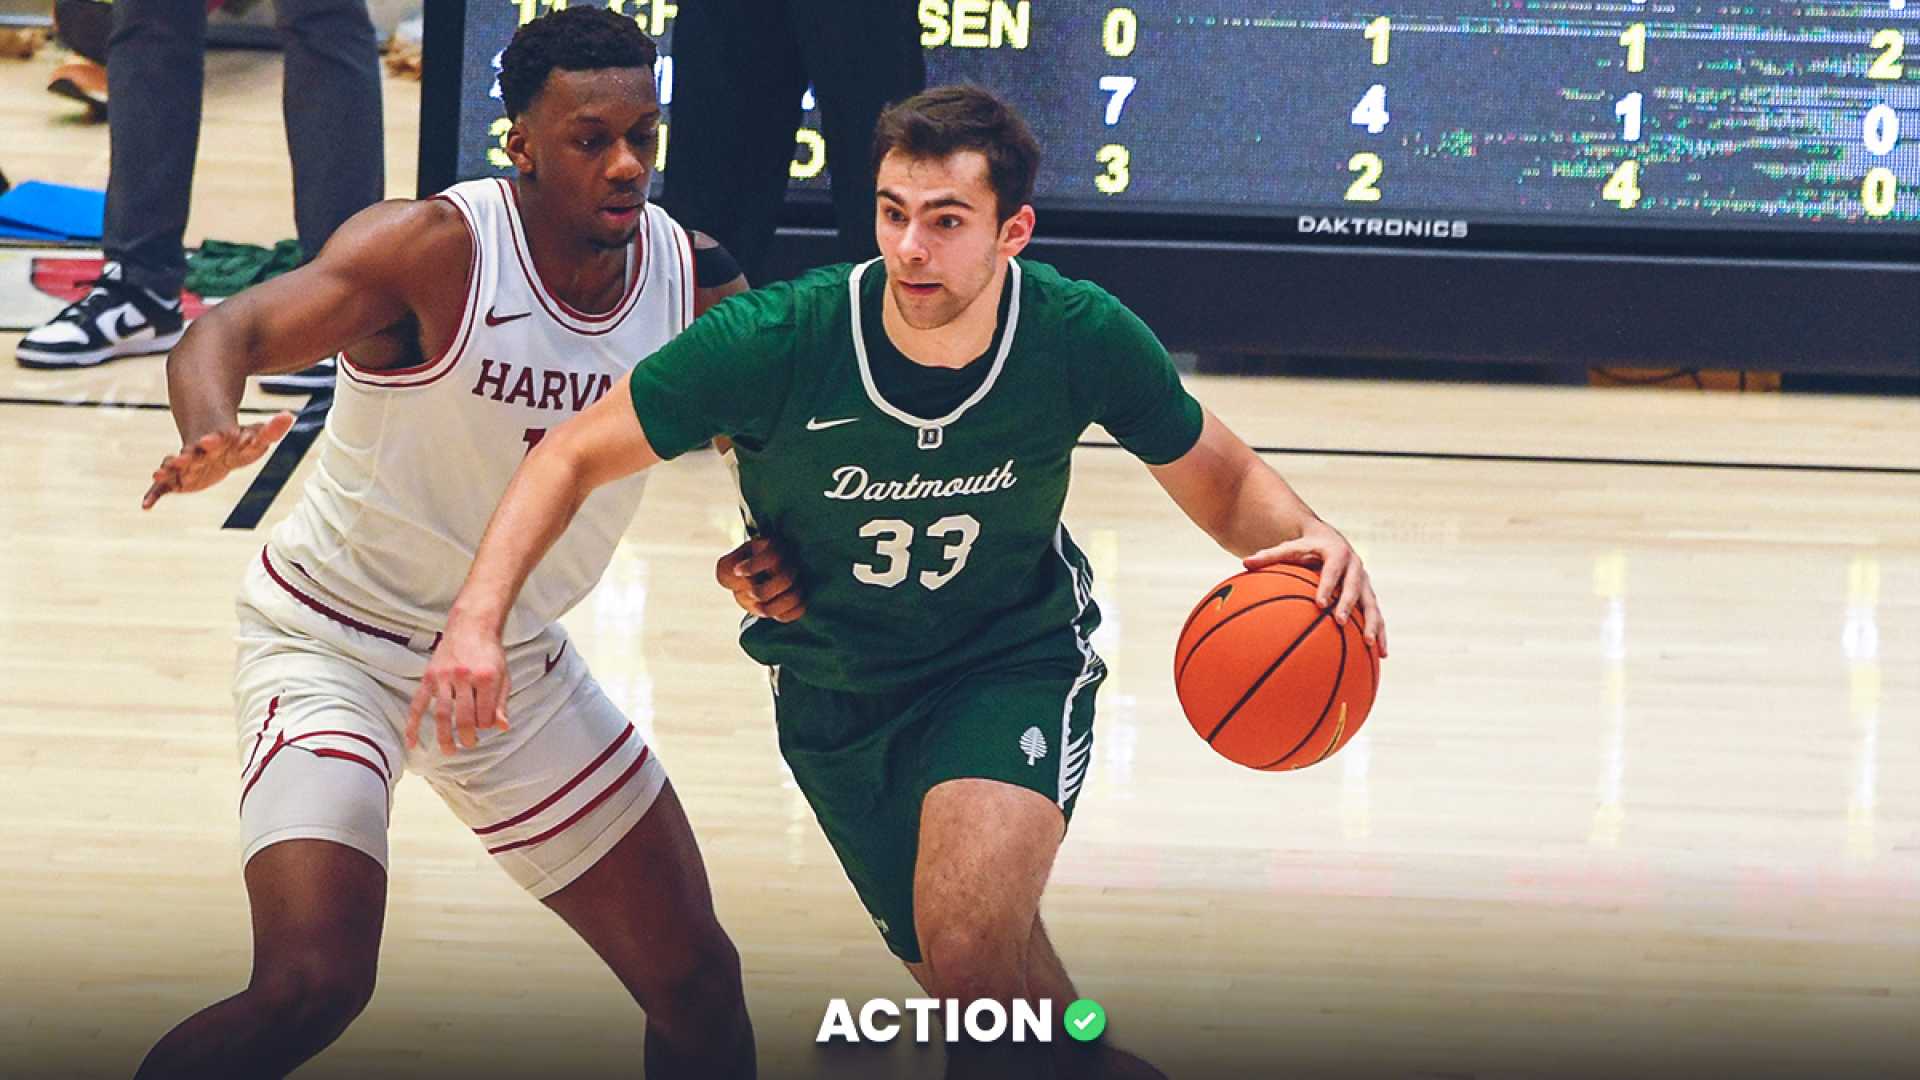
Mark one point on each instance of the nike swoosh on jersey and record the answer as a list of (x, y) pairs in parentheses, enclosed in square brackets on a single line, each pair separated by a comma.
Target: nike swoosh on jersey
[(496, 320), (555, 658), (817, 424)]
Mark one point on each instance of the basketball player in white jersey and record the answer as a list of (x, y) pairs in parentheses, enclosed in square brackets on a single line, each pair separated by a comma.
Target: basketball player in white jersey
[(468, 325)]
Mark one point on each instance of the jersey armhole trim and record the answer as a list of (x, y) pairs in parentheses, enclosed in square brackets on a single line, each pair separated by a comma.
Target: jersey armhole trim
[(438, 367)]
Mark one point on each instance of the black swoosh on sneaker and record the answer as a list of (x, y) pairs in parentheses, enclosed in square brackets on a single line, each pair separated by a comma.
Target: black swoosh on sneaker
[(496, 320), (122, 330)]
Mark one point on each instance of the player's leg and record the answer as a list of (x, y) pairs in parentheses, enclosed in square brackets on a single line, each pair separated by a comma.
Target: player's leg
[(317, 913), (1022, 731), (574, 806), (318, 765), (646, 909), (1047, 978), (863, 761), (986, 848), (1001, 760)]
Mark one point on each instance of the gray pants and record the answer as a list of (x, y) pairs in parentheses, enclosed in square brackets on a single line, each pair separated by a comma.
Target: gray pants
[(155, 75)]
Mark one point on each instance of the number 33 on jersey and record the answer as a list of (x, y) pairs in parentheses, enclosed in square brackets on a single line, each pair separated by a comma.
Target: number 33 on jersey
[(920, 505)]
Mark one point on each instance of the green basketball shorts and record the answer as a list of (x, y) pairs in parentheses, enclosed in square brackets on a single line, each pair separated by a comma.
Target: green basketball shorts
[(866, 761)]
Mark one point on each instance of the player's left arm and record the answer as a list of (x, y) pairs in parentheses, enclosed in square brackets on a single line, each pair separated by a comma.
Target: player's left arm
[(1250, 510)]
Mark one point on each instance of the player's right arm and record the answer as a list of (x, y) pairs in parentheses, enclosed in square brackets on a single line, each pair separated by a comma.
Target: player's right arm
[(729, 373), (378, 268), (466, 682)]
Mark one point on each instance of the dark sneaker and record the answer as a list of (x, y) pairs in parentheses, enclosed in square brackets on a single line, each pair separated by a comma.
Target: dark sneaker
[(85, 82), (114, 319), (305, 381)]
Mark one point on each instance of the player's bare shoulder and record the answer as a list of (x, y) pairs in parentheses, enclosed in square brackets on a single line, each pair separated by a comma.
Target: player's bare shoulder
[(421, 252), (405, 243)]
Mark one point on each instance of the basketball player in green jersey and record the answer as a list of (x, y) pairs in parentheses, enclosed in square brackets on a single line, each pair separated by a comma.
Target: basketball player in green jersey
[(904, 428)]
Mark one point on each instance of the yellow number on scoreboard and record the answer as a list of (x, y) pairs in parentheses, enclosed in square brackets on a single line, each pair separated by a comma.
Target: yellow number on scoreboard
[(816, 158), (1623, 187), (1120, 32), (653, 20), (1878, 191), (1115, 179), (1892, 45), (1635, 42), (1380, 31), (528, 9), (497, 154), (1369, 168)]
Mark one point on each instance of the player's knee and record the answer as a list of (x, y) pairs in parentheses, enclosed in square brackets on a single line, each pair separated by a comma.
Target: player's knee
[(969, 962), (699, 982), (317, 994)]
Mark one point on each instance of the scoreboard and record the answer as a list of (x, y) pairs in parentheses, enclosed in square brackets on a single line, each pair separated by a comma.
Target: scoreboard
[(1547, 129), (1408, 120)]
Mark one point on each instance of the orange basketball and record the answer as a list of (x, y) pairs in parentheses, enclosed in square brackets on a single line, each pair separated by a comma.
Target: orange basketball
[(1267, 677)]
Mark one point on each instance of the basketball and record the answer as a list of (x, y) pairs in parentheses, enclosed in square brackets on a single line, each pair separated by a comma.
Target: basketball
[(1266, 677)]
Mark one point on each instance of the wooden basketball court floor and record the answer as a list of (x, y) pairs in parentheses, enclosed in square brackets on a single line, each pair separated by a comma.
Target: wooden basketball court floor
[(1637, 798)]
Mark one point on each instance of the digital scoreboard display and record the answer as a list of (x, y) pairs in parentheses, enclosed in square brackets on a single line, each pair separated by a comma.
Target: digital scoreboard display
[(1610, 122)]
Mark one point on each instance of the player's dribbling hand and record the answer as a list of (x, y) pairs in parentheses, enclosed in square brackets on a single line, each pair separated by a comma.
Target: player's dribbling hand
[(756, 574), (1343, 580), (207, 460), (465, 687)]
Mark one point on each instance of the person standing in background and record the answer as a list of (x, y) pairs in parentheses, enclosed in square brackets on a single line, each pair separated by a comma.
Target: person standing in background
[(155, 76), (740, 69)]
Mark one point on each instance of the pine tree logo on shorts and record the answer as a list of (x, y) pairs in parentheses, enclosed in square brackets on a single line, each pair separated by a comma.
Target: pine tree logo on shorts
[(1033, 744)]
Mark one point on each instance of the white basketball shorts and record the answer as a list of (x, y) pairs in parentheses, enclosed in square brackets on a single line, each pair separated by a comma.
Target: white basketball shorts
[(321, 697)]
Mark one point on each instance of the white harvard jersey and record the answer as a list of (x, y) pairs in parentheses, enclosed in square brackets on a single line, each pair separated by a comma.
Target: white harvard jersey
[(413, 461)]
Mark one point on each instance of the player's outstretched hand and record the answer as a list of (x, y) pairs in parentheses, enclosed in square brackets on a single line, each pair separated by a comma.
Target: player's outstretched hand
[(207, 460), (465, 687), (1342, 577), (757, 575)]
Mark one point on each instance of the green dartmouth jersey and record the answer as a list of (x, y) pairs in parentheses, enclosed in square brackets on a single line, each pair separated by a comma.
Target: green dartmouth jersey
[(919, 506)]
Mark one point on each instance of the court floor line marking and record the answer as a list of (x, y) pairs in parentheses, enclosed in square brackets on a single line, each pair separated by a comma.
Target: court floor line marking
[(138, 406), (272, 477), (1556, 459), (286, 457), (275, 474)]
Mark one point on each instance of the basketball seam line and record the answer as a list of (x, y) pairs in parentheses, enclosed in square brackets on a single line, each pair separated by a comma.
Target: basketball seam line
[(1282, 570), (1181, 671), (1332, 694), (1265, 675)]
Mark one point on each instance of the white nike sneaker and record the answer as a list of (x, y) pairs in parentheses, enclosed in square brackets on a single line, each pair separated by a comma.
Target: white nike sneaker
[(114, 319)]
